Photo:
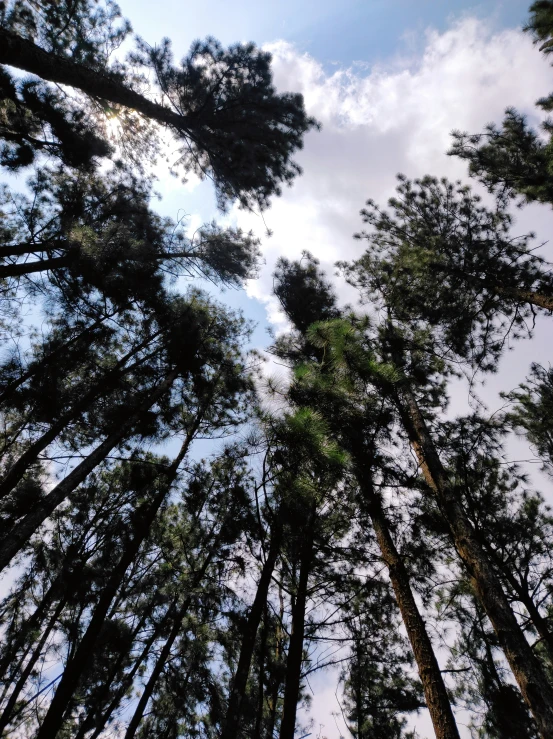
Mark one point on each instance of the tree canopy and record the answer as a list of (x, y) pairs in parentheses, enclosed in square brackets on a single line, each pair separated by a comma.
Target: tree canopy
[(185, 540)]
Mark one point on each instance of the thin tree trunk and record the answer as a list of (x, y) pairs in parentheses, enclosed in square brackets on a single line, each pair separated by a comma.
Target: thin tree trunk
[(540, 300), (238, 690), (261, 677), (21, 533), (526, 296), (128, 679), (31, 454), (166, 650), (521, 296), (295, 649), (29, 625), (39, 265), (273, 700), (539, 622), (89, 721), (8, 712), (437, 699), (358, 692), (529, 674), (61, 583), (75, 668), (18, 250), (38, 365), (22, 53), (523, 596)]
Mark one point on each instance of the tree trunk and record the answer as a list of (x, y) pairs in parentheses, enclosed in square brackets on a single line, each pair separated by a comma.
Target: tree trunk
[(437, 699), (513, 293), (60, 585), (295, 649), (39, 265), (166, 650), (19, 250), (238, 690), (31, 454), (360, 718), (156, 672), (21, 533), (261, 678), (128, 679), (75, 667), (8, 712), (21, 53), (524, 597), (90, 720), (273, 699), (28, 627), (529, 674), (526, 296), (38, 365)]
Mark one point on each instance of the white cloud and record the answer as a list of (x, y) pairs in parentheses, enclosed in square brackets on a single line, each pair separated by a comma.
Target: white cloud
[(391, 119)]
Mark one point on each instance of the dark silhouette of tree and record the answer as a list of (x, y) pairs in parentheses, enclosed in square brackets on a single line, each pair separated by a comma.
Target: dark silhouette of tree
[(440, 257), (219, 104), (514, 160), (360, 422)]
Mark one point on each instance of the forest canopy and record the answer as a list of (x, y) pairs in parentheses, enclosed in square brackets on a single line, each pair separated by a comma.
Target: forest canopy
[(187, 539)]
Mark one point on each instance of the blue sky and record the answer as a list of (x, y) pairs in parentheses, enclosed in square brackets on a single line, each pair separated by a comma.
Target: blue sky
[(334, 32)]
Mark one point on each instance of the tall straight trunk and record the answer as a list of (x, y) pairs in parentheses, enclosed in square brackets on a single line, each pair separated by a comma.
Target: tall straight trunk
[(523, 596), (359, 695), (28, 268), (526, 668), (295, 650), (437, 699), (273, 699), (166, 650), (261, 677), (22, 53), (18, 250), (129, 677), (77, 665), (22, 532), (238, 690), (8, 712), (32, 453)]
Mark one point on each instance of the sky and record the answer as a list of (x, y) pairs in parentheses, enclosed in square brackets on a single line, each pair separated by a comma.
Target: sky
[(389, 81)]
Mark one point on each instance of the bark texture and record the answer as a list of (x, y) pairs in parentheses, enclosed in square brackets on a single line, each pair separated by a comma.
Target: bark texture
[(437, 699), (529, 674)]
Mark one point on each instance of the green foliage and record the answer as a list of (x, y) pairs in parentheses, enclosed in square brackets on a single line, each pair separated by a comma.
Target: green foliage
[(235, 129), (514, 160), (439, 258), (379, 692), (151, 582), (533, 411)]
